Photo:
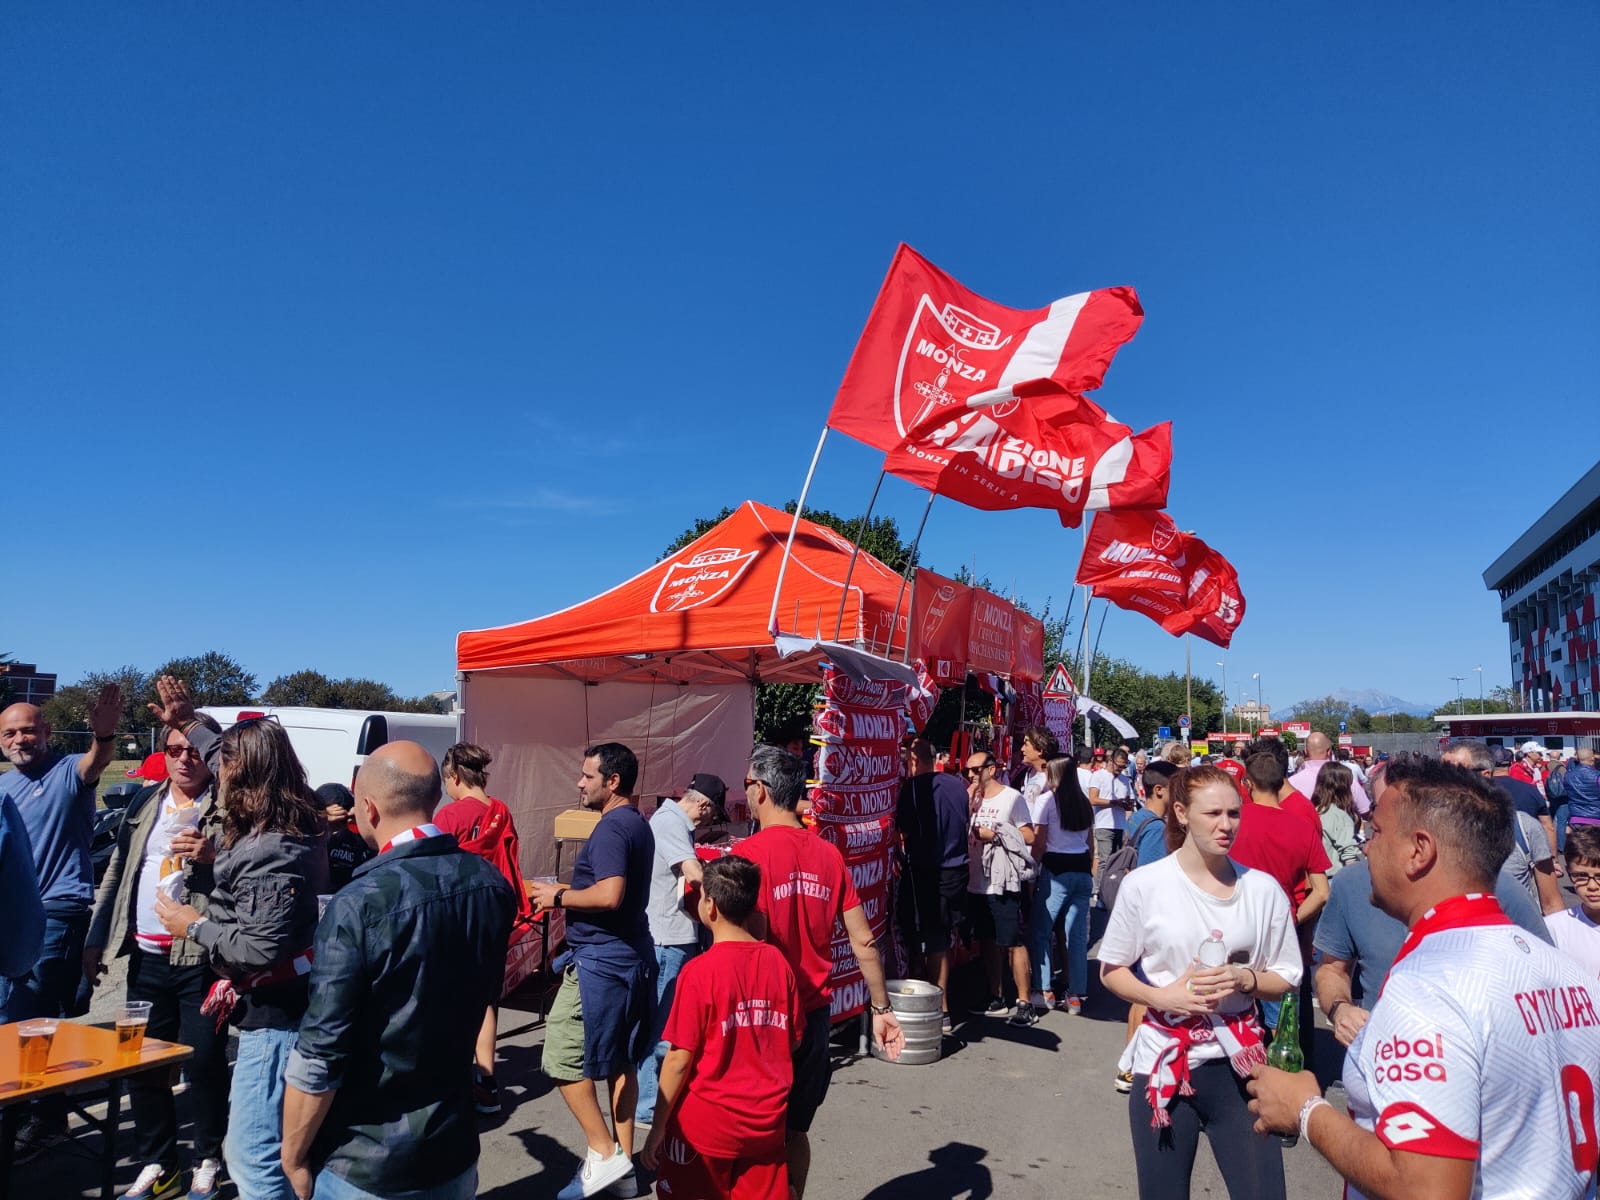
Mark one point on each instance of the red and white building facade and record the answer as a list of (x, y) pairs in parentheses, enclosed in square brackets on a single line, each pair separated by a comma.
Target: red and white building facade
[(1549, 586)]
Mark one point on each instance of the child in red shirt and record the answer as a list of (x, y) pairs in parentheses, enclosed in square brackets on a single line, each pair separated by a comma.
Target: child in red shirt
[(736, 1020)]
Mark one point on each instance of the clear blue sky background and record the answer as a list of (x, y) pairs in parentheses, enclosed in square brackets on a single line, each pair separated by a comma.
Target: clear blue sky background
[(331, 330)]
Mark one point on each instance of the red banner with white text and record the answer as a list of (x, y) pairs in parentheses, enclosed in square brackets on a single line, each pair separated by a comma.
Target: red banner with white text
[(1141, 561)]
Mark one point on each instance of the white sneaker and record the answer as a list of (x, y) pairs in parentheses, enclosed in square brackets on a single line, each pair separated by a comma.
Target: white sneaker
[(203, 1183), (597, 1173)]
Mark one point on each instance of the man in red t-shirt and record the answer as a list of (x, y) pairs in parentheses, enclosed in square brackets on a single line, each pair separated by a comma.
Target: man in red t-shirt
[(736, 1020), (805, 892), (1276, 839)]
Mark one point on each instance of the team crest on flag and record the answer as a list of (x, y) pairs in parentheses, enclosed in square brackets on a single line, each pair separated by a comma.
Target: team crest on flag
[(700, 579)]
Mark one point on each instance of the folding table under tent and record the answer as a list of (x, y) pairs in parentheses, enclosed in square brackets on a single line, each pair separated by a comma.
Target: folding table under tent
[(667, 663)]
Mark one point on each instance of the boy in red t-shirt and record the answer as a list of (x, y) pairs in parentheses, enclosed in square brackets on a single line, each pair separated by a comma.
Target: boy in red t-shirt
[(724, 1085)]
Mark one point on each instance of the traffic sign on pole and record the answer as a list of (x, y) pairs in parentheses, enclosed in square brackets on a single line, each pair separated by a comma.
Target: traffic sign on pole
[(1165, 733), (1183, 722), (1341, 726)]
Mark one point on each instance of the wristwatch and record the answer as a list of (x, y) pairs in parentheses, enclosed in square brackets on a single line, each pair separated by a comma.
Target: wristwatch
[(101, 741), (876, 1011), (1334, 1007), (556, 900), (194, 927)]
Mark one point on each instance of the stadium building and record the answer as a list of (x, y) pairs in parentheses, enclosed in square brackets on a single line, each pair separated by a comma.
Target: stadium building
[(1549, 585)]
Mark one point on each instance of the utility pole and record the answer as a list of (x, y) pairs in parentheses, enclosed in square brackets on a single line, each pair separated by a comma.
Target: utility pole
[(1479, 670), (1260, 716), (1459, 708), (1188, 690), (1223, 663)]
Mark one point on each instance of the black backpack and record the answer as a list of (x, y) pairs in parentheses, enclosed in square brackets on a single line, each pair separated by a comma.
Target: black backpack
[(1120, 863)]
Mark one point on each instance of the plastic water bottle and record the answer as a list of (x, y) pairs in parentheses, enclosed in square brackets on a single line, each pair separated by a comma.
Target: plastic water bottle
[(1212, 952)]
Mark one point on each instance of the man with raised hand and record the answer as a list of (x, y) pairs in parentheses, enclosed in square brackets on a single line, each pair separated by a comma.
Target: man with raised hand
[(1475, 1073), (378, 1098), (54, 795)]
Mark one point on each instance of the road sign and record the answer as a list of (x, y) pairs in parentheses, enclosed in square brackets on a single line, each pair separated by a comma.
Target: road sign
[(1183, 722), (1165, 733), (1341, 726)]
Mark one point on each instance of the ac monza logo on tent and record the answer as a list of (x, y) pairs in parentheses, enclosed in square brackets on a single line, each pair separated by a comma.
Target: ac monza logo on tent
[(700, 579), (948, 355)]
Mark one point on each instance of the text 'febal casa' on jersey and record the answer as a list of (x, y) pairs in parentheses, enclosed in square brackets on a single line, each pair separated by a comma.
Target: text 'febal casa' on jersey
[(1483, 1045), (621, 845), (1161, 918), (737, 1009), (805, 889)]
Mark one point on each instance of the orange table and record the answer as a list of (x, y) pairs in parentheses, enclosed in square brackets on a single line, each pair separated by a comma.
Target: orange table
[(80, 1056)]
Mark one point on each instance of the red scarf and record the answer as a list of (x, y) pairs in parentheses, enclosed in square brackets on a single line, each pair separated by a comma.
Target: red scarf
[(1239, 1034), (410, 835), (1458, 912), (225, 994)]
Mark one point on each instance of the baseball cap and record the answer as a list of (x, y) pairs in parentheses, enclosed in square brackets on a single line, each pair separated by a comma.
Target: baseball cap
[(152, 770), (1532, 748), (1500, 755), (713, 789)]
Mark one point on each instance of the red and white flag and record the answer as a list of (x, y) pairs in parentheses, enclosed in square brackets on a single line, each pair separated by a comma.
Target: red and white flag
[(1141, 561), (1040, 447), (930, 344)]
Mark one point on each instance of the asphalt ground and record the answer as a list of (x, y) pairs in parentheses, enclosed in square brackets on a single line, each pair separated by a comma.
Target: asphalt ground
[(1014, 1113)]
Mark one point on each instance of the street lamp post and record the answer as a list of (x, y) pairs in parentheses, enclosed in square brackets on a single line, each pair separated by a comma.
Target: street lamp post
[(1223, 663), (1458, 679), (1257, 678), (1479, 670)]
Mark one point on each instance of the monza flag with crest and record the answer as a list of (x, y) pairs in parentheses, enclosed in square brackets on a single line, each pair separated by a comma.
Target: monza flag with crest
[(979, 402), (1139, 560)]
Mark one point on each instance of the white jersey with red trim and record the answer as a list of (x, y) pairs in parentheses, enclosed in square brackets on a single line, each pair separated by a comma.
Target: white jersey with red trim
[(1484, 1044)]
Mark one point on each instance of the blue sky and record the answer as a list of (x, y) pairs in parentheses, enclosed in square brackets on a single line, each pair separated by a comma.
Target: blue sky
[(329, 331)]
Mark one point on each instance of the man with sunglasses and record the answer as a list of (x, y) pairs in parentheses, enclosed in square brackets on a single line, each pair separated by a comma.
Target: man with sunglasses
[(166, 846)]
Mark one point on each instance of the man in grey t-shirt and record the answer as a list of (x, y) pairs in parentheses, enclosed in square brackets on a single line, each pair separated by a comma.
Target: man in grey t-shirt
[(671, 928)]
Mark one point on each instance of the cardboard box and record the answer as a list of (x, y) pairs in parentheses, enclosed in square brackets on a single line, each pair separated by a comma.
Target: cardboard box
[(576, 824)]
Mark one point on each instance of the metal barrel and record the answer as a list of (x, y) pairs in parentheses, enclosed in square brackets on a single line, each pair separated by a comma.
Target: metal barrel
[(916, 1007)]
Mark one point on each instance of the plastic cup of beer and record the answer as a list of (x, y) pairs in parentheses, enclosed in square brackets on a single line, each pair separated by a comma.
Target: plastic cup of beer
[(33, 1045), (132, 1017)]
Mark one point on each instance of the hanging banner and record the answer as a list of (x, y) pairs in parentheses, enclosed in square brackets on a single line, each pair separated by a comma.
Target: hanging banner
[(991, 633), (1027, 663), (859, 729), (941, 611), (1140, 561), (930, 343)]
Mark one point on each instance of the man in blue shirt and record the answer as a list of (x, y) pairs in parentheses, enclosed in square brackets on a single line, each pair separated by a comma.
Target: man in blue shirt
[(23, 930), (1582, 786), (54, 795), (601, 1020)]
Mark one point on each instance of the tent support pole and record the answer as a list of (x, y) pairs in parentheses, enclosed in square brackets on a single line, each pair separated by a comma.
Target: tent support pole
[(911, 565), (788, 546), (861, 528)]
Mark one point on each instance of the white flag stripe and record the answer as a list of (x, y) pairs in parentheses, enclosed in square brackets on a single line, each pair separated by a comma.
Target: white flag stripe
[(1040, 352), (1111, 469)]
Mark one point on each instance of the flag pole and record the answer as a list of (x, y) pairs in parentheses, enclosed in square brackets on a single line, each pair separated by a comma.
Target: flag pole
[(788, 546), (1088, 605), (855, 551), (911, 565)]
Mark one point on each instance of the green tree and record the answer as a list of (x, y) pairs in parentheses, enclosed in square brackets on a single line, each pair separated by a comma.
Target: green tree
[(301, 689), (781, 707), (313, 689), (213, 678), (68, 710), (1147, 700)]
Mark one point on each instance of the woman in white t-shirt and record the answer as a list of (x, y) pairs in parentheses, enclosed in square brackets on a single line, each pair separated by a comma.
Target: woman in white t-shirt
[(1201, 1037), (1063, 824)]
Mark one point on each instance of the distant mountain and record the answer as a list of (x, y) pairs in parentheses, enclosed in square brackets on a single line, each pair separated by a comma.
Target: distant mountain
[(1370, 699)]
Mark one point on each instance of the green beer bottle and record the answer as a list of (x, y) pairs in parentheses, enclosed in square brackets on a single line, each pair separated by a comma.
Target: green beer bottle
[(1285, 1053)]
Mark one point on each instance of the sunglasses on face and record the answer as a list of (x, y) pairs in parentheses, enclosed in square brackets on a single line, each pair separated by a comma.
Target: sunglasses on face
[(183, 752)]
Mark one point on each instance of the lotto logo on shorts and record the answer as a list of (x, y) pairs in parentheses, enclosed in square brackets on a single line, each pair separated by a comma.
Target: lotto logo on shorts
[(1402, 1060)]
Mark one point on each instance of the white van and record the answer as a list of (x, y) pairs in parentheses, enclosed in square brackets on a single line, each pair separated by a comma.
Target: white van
[(332, 743)]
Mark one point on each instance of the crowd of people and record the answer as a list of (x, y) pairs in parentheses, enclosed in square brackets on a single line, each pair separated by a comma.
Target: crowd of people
[(354, 942)]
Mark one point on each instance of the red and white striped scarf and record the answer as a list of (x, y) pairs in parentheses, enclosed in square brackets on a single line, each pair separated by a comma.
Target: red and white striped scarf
[(225, 994), (1239, 1034)]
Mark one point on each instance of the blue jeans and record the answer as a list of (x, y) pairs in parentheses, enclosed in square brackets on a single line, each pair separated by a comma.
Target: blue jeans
[(47, 989), (1558, 816), (1054, 895), (669, 961), (335, 1187), (253, 1150)]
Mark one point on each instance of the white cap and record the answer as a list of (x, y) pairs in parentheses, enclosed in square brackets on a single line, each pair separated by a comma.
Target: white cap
[(1532, 748)]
